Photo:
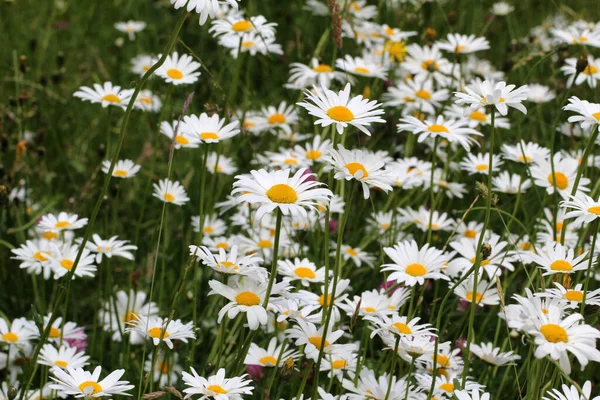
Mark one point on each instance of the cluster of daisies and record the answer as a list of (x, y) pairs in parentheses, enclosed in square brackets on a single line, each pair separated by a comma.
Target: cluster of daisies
[(288, 251)]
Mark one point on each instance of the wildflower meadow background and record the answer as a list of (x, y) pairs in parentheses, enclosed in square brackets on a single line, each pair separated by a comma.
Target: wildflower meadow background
[(299, 199)]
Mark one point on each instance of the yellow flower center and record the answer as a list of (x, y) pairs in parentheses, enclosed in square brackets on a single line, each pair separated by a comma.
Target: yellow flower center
[(447, 387), (354, 167), (247, 299), (594, 210), (525, 159), (526, 246), (290, 161), (10, 337), (402, 328), (313, 154), (111, 98), (478, 116), (121, 173), (429, 65), (322, 68), (369, 310), (40, 256), (265, 244), (130, 317), (339, 364), (216, 389), (156, 332), (169, 197), (179, 139), (361, 70), (304, 272), (460, 48), (89, 384), (163, 367), (209, 136), (443, 360), (596, 115), (248, 43), (269, 361), (574, 295), (435, 128), (340, 114), (483, 262), (146, 100), (54, 333), (50, 235), (174, 73), (67, 264), (282, 193), (60, 363), (562, 182), (322, 300), (470, 233), (228, 265), (416, 270), (561, 265), (478, 296), (317, 341), (481, 167), (554, 333), (277, 118), (241, 26), (423, 94), (222, 245), (352, 252), (590, 70), (62, 224)]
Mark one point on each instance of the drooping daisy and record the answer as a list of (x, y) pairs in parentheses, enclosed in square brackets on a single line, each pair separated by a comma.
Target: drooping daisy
[(110, 247), (463, 44), (361, 66), (80, 383), (511, 184), (590, 74), (492, 355), (217, 386), (583, 207), (479, 163), (412, 265), (106, 95), (154, 327), (498, 95), (62, 221), (565, 173), (64, 357), (130, 27), (300, 269), (484, 294), (62, 260), (558, 259), (229, 263), (209, 129), (179, 70), (170, 192), (206, 8), (20, 332), (589, 113), (272, 190), (181, 139), (124, 169), (268, 357), (339, 109), (454, 131)]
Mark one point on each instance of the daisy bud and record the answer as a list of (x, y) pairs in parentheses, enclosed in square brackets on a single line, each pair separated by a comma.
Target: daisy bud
[(23, 64), (60, 58), (431, 33), (56, 77), (514, 334), (355, 315), (255, 372), (452, 18), (12, 393), (101, 151), (582, 63), (4, 195), (210, 367)]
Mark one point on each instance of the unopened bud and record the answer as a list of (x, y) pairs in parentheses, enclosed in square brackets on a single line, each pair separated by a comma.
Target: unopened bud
[(12, 393), (3, 195), (210, 367), (452, 18), (431, 33), (23, 64), (582, 63)]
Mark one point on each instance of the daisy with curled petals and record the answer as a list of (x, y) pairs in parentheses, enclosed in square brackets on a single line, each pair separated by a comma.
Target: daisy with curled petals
[(463, 44), (450, 130), (555, 336), (124, 169), (209, 129), (106, 95), (33, 256), (590, 74), (573, 296), (217, 386), (589, 113), (485, 295), (475, 394), (365, 167), (64, 357), (110, 247), (565, 173), (154, 328), (558, 259), (170, 192), (303, 76), (498, 95), (179, 70), (62, 261), (130, 27), (479, 163), (491, 355), (268, 357), (181, 139), (411, 265), (228, 263), (20, 332), (300, 269), (341, 110), (61, 222), (277, 190), (361, 67), (247, 296), (79, 383), (582, 207), (572, 393)]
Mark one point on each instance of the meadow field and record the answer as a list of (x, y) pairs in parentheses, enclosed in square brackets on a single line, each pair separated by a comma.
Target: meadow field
[(300, 199)]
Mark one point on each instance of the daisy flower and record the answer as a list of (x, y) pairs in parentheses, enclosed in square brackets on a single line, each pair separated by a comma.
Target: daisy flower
[(216, 386), (479, 163), (313, 152), (444, 385), (184, 140), (300, 269), (251, 43), (540, 94), (574, 35), (79, 383), (590, 74), (565, 172), (415, 95), (427, 62), (370, 386), (148, 101), (206, 8), (589, 113), (476, 118), (475, 394), (420, 217), (110, 247), (179, 70), (60, 332), (573, 296), (525, 152), (558, 259), (166, 369), (268, 357), (126, 310), (212, 226), (33, 256), (582, 207), (511, 184), (62, 221), (497, 261), (106, 95), (245, 296), (209, 129), (306, 333), (64, 357), (492, 355), (155, 327), (228, 263), (62, 261), (237, 26), (484, 295), (272, 190), (20, 332), (220, 164), (339, 109), (357, 255), (170, 192), (572, 393), (498, 95), (501, 8), (365, 167), (123, 168), (303, 76), (361, 67), (463, 44), (130, 27), (141, 63), (454, 131), (400, 326), (411, 265)]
